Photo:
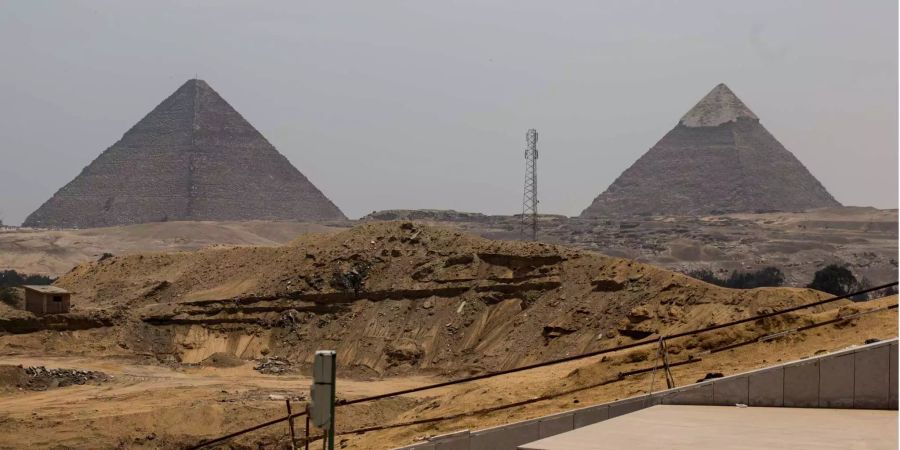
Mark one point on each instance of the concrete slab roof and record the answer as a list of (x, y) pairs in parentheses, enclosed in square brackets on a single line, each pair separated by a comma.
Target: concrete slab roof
[(701, 427), (46, 289)]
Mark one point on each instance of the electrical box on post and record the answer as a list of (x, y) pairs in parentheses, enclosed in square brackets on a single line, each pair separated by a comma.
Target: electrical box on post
[(321, 403)]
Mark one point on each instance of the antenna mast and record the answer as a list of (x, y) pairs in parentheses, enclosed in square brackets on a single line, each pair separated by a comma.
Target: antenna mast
[(530, 199)]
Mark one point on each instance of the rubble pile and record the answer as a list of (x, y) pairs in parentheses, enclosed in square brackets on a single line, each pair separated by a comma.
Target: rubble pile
[(274, 365), (40, 378)]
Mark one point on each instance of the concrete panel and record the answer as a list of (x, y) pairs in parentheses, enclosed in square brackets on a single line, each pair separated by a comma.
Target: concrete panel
[(692, 395), (871, 377), (766, 387), (459, 443), (591, 415), (553, 425), (418, 446), (801, 384), (653, 400), (731, 391), (458, 440), (893, 379), (626, 406), (836, 381), (506, 437), (722, 427)]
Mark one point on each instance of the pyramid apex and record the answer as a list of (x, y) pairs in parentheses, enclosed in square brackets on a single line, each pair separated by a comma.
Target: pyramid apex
[(719, 106), (195, 83)]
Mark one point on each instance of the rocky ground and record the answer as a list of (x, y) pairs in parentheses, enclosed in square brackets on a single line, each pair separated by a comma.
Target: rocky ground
[(395, 297), (40, 378), (200, 343), (797, 243), (865, 239), (55, 252), (154, 406)]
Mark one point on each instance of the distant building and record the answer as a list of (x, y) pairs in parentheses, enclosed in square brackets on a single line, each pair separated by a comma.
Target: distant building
[(719, 159), (192, 158), (47, 299)]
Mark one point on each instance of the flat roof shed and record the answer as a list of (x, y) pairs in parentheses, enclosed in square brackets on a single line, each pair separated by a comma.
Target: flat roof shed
[(46, 299)]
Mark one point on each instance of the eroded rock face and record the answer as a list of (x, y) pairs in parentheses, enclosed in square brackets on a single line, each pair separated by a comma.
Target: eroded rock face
[(718, 159), (192, 158), (449, 303)]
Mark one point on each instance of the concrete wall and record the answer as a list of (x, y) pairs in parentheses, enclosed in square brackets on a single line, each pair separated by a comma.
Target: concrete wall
[(862, 378)]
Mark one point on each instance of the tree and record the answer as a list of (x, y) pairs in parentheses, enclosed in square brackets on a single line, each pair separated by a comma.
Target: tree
[(707, 276), (10, 278), (765, 277), (9, 296), (835, 280)]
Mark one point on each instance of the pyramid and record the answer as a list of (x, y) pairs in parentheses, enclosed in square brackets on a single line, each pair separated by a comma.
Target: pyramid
[(718, 159), (192, 158)]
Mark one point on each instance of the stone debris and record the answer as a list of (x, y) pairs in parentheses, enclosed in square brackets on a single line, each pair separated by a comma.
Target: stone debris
[(274, 365), (40, 378)]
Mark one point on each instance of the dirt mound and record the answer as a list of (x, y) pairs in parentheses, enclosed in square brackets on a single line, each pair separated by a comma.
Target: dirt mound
[(393, 297), (222, 360)]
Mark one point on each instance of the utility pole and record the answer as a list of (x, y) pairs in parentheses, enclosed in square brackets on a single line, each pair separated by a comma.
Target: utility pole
[(530, 198)]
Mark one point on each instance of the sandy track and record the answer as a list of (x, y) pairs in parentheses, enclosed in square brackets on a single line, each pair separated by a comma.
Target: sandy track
[(144, 400)]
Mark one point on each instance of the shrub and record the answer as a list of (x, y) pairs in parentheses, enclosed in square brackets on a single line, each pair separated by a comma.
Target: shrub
[(10, 279), (9, 296), (886, 292), (765, 277), (707, 276), (835, 280)]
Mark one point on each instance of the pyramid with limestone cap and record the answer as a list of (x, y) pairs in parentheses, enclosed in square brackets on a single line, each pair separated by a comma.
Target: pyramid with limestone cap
[(718, 159), (192, 158), (718, 107)]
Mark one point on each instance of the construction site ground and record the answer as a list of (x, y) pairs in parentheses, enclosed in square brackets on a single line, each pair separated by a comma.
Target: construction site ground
[(179, 337), (153, 406), (798, 243)]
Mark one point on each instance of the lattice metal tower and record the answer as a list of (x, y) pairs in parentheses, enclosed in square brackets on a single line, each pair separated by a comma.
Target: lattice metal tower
[(530, 198)]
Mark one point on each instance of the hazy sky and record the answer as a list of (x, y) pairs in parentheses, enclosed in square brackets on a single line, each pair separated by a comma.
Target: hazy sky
[(425, 104)]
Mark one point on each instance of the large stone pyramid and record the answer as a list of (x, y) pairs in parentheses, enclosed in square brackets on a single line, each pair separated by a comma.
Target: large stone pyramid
[(718, 159), (192, 158)]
